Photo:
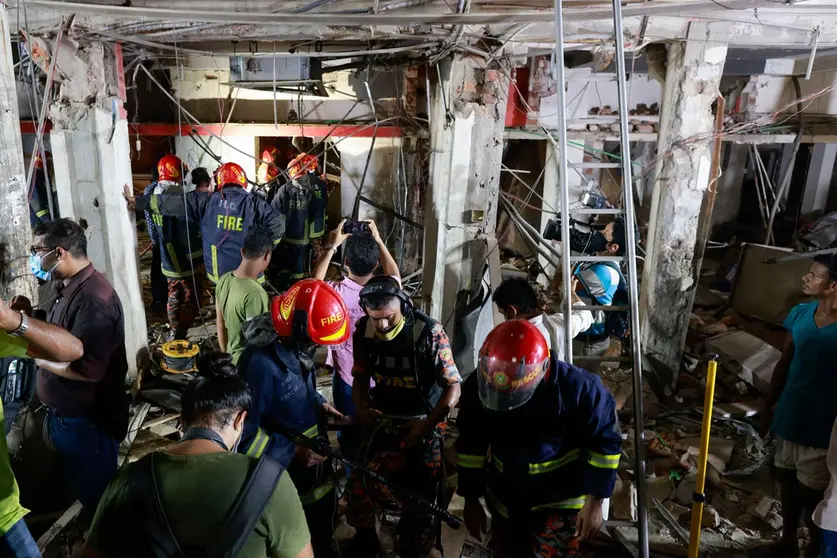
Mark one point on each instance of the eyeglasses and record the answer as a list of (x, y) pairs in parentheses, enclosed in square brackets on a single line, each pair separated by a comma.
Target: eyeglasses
[(35, 249)]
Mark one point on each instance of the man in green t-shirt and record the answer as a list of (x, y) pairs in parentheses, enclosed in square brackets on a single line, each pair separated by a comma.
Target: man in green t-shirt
[(198, 480), (239, 296), (23, 337)]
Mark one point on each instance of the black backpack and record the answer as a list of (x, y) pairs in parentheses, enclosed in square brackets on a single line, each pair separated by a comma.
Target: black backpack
[(17, 386), (223, 542)]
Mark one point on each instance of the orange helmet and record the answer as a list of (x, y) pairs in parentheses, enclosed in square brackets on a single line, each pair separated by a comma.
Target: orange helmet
[(302, 164), (311, 311), (270, 162), (230, 173), (170, 169), (39, 162)]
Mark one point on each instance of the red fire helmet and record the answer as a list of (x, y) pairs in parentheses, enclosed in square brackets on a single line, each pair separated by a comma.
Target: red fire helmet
[(230, 174), (39, 162), (513, 360), (170, 169), (302, 164), (311, 311), (270, 161)]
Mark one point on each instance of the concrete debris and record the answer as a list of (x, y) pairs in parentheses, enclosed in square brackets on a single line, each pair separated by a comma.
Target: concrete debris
[(685, 489), (711, 519), (747, 356), (660, 488), (681, 513), (767, 509), (623, 501)]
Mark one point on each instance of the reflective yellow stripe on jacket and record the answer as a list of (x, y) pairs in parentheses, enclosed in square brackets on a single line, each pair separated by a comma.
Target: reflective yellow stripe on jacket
[(258, 444), (213, 273), (470, 461), (316, 494), (602, 460), (568, 504), (549, 466)]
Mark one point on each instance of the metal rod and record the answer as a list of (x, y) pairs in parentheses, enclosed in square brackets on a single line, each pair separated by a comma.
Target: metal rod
[(816, 41), (392, 212), (801, 256), (630, 217), (561, 161)]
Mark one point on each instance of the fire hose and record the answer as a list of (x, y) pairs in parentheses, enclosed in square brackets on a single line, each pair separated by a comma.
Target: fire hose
[(322, 447)]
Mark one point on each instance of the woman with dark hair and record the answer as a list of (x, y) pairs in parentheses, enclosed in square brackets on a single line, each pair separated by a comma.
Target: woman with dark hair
[(198, 492)]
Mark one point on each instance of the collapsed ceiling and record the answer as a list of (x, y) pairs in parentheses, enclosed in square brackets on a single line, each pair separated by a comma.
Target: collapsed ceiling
[(335, 28)]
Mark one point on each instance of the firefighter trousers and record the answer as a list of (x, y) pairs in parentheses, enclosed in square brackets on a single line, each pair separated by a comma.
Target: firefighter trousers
[(540, 536), (183, 306), (417, 469)]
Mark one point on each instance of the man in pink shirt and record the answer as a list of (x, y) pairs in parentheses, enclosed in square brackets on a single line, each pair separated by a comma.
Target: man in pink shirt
[(363, 253)]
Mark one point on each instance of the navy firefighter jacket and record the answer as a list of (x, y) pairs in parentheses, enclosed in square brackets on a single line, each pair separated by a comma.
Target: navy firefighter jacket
[(224, 216), (282, 394), (546, 455)]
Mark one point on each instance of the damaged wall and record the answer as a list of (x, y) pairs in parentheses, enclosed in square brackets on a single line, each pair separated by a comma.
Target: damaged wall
[(669, 280), (15, 234), (466, 129)]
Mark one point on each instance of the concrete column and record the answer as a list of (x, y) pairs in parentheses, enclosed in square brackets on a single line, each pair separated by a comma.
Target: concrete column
[(466, 129), (683, 167), (819, 177), (15, 234), (91, 155)]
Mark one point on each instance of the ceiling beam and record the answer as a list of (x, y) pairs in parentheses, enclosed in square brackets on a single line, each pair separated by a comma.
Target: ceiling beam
[(263, 130), (398, 19)]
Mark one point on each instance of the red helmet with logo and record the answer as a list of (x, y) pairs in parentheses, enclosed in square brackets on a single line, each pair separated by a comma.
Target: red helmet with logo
[(230, 174), (170, 169), (311, 311), (302, 164), (513, 360)]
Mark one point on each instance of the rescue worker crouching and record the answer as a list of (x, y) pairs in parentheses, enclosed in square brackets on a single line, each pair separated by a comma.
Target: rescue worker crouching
[(224, 216), (408, 356), (180, 251), (554, 446), (278, 366)]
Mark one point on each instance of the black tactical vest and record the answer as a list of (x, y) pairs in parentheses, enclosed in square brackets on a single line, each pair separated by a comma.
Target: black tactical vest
[(405, 377)]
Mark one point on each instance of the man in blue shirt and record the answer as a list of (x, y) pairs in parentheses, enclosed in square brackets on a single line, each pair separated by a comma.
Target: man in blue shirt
[(800, 405), (598, 283)]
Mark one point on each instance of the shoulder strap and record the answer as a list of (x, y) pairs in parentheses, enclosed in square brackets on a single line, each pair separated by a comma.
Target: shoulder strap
[(247, 508), (159, 534)]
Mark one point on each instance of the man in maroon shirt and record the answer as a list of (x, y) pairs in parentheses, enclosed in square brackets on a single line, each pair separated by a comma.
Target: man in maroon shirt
[(88, 407)]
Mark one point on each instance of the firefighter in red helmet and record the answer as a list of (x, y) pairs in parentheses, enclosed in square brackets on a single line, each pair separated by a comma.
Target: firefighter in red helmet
[(302, 201), (224, 217), (177, 247), (279, 368), (555, 446)]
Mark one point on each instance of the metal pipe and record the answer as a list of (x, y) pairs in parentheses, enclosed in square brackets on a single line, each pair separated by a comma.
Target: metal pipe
[(39, 132), (392, 212), (630, 218), (397, 19), (785, 180), (561, 161), (801, 256)]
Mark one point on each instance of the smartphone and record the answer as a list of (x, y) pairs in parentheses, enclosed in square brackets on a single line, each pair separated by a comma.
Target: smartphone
[(355, 227)]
